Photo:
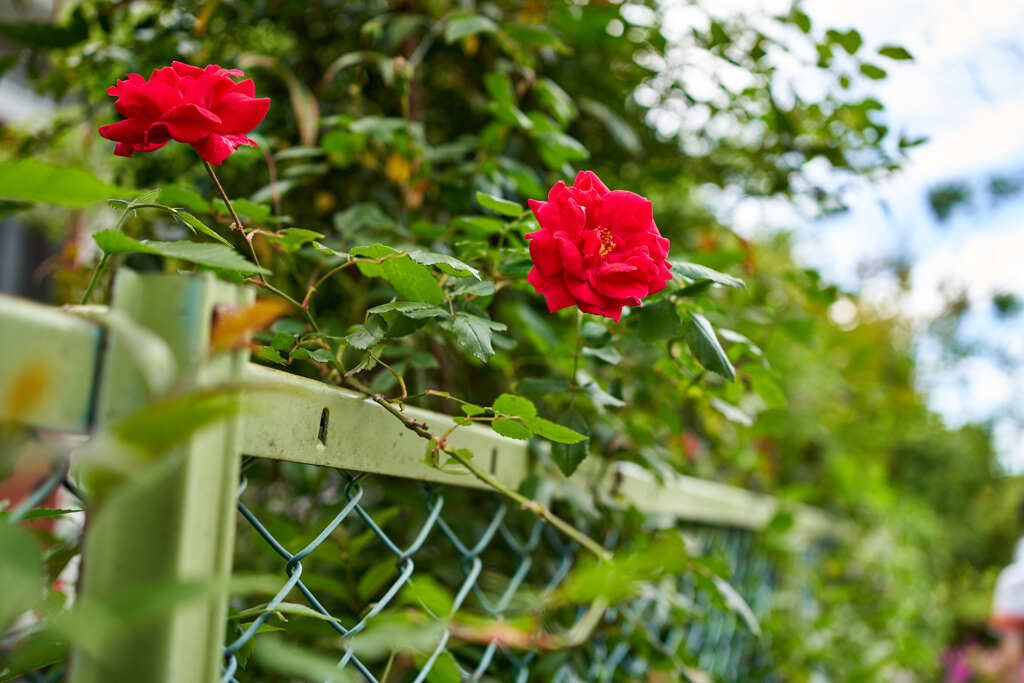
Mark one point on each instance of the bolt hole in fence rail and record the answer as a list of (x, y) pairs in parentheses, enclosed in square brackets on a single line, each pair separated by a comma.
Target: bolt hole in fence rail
[(373, 570)]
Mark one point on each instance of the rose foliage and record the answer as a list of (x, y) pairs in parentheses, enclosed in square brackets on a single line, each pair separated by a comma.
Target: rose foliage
[(394, 203)]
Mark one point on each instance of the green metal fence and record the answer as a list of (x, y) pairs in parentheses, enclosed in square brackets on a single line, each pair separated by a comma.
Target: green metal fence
[(378, 517)]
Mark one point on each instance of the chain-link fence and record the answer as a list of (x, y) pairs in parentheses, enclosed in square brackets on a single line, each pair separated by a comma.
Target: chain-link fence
[(350, 549)]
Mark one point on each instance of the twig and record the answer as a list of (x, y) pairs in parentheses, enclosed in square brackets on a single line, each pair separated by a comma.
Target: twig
[(421, 430), (234, 216)]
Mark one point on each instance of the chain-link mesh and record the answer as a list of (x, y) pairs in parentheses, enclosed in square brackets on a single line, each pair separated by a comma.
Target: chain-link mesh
[(377, 533), (374, 534)]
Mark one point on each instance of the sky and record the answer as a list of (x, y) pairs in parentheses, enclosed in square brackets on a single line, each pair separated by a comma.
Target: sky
[(963, 92)]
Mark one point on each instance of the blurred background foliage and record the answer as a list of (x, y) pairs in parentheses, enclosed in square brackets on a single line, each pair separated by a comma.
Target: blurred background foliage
[(388, 117)]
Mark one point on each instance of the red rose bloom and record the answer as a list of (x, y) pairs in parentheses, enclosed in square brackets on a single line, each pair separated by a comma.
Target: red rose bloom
[(597, 249), (203, 107)]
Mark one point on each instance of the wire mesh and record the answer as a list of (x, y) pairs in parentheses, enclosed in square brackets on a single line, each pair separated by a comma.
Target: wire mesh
[(375, 534)]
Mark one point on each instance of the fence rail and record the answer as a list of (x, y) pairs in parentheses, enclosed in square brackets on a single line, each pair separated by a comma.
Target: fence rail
[(99, 363)]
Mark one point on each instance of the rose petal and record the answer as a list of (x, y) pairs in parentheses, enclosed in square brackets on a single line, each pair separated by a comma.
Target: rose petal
[(189, 122), (555, 294), (240, 114), (545, 254), (129, 130), (215, 148), (623, 211)]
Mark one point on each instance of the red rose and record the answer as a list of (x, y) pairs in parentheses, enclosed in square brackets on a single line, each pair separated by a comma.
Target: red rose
[(203, 107), (597, 249)]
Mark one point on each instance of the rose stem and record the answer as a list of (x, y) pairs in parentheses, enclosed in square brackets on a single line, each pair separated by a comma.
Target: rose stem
[(525, 503), (234, 216)]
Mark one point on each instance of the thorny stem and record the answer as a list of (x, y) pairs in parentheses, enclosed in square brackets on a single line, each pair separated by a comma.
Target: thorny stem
[(421, 430), (234, 216)]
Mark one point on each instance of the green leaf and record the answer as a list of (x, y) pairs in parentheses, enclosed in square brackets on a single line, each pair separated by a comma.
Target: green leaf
[(430, 594), (471, 409), (873, 72), (463, 26), (32, 180), (474, 333), (499, 205), (656, 321), (513, 429), (555, 100), (499, 85), (552, 431), (510, 404), (292, 239), (411, 280), (696, 272), (283, 608), (198, 226), (209, 255), (568, 456), (20, 572), (411, 309), (895, 52), (445, 263), (479, 226), (367, 335), (321, 355), (701, 339), (557, 149)]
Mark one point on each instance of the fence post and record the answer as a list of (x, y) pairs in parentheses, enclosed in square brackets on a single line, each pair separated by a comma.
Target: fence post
[(176, 523)]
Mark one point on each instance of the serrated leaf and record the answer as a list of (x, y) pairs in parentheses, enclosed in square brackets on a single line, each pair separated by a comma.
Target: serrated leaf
[(697, 272), (513, 429), (471, 409), (209, 255), (479, 226), (444, 263), (411, 280), (412, 309), (459, 27), (368, 334), (568, 456), (321, 355), (552, 431), (474, 333), (657, 321), (701, 339), (481, 288), (499, 205), (510, 404)]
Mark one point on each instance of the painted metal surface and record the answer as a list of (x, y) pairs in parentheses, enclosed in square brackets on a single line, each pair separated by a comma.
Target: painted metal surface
[(48, 366), (175, 522)]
